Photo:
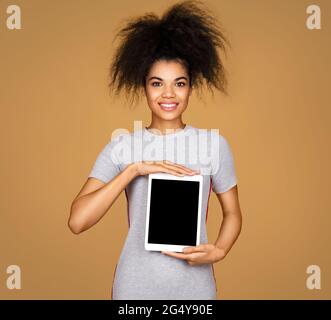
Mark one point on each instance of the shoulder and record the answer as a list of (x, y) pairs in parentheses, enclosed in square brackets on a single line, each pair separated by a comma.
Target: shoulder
[(120, 136)]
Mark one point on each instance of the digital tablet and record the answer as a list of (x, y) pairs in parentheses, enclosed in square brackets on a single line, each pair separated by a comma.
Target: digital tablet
[(173, 212)]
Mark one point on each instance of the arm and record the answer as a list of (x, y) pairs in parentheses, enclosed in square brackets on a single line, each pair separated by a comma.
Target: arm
[(222, 179), (232, 220), (96, 197), (229, 232)]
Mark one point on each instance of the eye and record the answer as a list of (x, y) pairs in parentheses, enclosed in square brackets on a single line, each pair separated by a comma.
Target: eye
[(183, 84), (155, 82)]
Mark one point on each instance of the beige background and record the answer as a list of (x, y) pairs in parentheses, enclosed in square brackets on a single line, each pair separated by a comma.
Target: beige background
[(56, 115)]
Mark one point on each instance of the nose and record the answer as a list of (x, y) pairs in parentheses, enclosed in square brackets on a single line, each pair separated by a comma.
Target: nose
[(168, 92)]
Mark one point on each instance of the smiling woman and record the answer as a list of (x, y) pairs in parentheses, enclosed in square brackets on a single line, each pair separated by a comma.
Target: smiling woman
[(186, 33), (161, 67), (167, 96), (164, 59)]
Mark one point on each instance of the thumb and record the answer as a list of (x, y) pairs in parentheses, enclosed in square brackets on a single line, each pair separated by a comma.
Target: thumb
[(189, 249)]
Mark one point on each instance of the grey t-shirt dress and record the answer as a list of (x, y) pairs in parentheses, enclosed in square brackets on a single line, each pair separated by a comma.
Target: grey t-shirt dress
[(141, 274)]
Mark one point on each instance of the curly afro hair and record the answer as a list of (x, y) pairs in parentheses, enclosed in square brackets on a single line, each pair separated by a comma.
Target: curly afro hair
[(185, 32)]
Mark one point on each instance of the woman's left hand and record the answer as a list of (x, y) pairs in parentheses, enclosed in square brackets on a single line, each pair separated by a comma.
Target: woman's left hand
[(201, 254)]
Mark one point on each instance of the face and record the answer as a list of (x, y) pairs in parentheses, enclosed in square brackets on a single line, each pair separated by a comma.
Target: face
[(167, 89)]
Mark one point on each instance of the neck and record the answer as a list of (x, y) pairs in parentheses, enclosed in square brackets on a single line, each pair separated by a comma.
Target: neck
[(162, 126)]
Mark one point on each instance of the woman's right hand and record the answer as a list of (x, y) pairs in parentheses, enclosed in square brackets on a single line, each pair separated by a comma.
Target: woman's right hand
[(147, 167)]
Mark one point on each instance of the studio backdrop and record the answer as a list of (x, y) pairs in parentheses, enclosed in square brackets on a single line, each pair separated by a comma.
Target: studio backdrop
[(57, 114)]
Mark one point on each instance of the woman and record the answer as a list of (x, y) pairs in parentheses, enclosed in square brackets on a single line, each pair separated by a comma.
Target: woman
[(167, 58)]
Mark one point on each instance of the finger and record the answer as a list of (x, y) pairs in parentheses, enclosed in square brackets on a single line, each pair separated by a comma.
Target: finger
[(198, 248), (188, 249), (178, 169), (186, 169), (179, 166), (170, 169), (176, 255), (193, 257), (176, 173), (196, 258), (147, 162)]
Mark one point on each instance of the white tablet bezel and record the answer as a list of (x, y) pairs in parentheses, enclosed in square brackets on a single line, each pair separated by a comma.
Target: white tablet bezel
[(167, 176)]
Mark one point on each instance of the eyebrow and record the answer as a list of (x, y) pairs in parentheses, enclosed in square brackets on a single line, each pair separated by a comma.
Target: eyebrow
[(162, 79)]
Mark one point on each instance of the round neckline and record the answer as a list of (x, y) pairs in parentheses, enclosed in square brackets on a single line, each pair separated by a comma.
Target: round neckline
[(176, 133)]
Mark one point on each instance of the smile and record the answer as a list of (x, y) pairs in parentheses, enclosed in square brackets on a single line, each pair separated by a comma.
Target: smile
[(168, 106)]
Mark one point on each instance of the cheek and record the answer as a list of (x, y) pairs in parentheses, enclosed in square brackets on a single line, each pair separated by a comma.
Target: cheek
[(152, 94), (184, 94)]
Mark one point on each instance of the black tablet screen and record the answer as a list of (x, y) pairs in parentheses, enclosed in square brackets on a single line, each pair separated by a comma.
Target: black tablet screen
[(173, 212)]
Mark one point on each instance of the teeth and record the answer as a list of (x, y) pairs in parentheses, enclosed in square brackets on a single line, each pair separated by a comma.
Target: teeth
[(168, 105)]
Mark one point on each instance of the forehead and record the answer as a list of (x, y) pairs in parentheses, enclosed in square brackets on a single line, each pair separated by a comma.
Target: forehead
[(167, 69)]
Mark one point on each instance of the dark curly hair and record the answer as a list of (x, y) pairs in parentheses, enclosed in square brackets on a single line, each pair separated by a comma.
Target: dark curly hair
[(185, 32)]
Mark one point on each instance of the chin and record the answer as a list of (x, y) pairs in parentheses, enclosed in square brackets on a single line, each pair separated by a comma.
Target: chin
[(169, 116)]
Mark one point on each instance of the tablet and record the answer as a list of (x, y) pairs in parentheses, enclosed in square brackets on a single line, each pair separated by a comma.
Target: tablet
[(173, 212)]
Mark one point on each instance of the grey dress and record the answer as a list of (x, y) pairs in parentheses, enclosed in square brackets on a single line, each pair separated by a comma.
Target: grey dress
[(141, 274)]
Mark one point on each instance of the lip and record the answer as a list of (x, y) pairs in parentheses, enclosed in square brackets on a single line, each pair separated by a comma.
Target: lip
[(168, 109)]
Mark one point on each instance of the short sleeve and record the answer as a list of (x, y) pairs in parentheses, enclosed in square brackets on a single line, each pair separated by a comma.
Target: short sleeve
[(223, 171), (106, 166)]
